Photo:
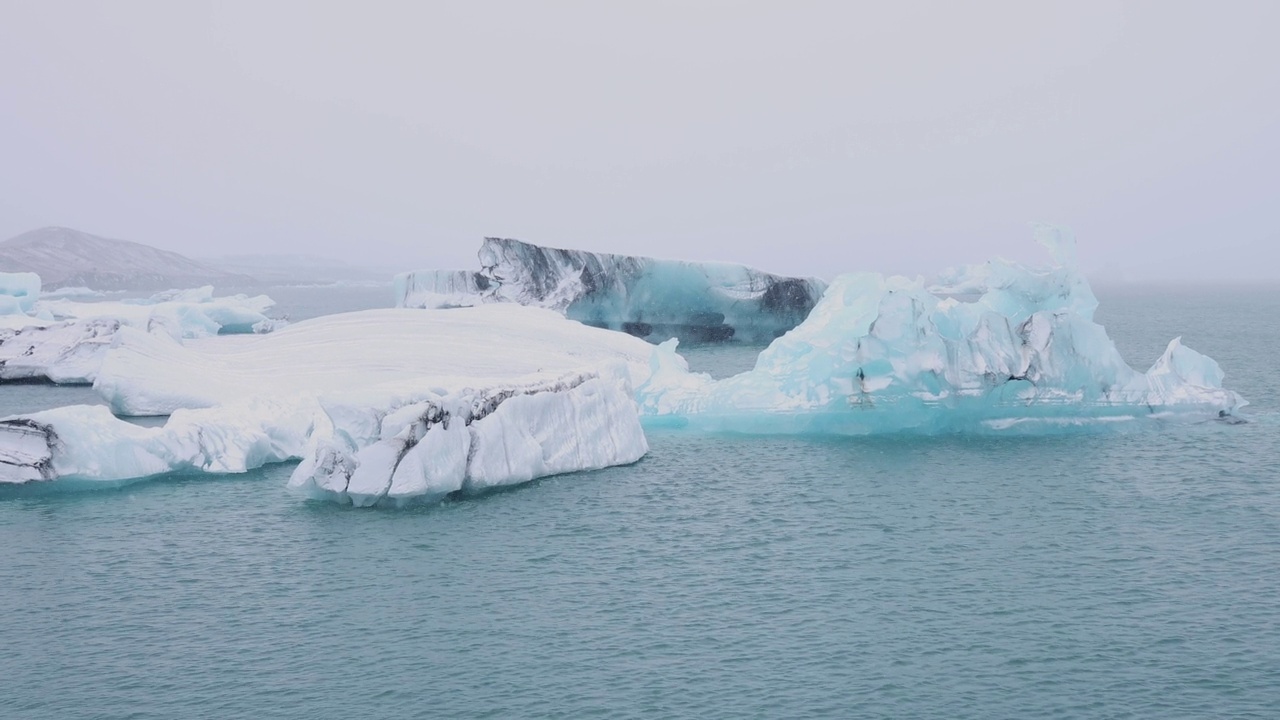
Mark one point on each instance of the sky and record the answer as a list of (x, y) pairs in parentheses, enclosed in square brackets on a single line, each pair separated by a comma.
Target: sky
[(799, 137)]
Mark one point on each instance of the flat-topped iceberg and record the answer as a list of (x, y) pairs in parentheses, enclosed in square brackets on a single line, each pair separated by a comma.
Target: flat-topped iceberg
[(645, 297), (64, 341), (380, 405), (884, 354), (149, 374)]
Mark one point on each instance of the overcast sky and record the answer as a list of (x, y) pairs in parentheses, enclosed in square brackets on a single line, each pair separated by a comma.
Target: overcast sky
[(807, 138)]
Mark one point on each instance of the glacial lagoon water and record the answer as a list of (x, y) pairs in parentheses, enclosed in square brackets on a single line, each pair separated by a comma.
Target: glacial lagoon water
[(1130, 574)]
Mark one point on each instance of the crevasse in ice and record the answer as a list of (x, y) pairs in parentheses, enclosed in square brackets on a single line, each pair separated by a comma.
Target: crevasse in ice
[(884, 354), (645, 297)]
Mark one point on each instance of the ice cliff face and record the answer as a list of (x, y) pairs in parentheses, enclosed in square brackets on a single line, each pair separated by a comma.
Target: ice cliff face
[(884, 354), (408, 443), (470, 442), (645, 297)]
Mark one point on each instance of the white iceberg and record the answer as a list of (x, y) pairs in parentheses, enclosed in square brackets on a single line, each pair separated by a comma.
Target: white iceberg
[(645, 297), (149, 374), (60, 352), (469, 441), (64, 340), (182, 314), (884, 354), (379, 405)]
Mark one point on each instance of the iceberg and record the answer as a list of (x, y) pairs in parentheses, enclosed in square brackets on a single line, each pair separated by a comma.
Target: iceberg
[(18, 292), (180, 313), (382, 445), (885, 354), (470, 441), (151, 374), (59, 352), (380, 406), (645, 297), (64, 341)]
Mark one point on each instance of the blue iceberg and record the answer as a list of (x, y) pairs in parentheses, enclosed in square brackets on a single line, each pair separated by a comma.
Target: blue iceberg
[(645, 297), (997, 347)]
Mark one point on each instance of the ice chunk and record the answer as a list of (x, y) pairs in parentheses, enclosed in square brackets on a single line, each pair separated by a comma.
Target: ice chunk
[(884, 354), (61, 352), (472, 440), (645, 297), (88, 443), (71, 292), (382, 404), (66, 340), (149, 374), (411, 441), (19, 292), (181, 313), (438, 289)]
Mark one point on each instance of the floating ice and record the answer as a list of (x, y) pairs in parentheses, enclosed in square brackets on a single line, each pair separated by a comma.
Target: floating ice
[(884, 354), (470, 441), (656, 299), (180, 313), (18, 292), (392, 404), (146, 374), (64, 340), (61, 352)]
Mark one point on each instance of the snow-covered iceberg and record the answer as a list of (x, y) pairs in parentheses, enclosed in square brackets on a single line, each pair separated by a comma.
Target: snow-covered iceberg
[(645, 297), (60, 352), (379, 405), (180, 313), (470, 441), (150, 374), (64, 340), (885, 354)]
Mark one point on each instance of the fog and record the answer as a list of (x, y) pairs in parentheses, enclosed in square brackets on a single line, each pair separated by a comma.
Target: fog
[(806, 138)]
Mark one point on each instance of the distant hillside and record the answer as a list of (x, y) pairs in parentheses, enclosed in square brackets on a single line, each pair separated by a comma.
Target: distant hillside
[(295, 269), (69, 258)]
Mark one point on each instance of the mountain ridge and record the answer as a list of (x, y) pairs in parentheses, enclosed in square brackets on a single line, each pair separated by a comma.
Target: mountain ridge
[(65, 257)]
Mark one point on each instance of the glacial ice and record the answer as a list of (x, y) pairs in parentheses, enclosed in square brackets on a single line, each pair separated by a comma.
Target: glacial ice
[(180, 313), (645, 297), (380, 405), (470, 441), (18, 292), (149, 374), (64, 340), (884, 354)]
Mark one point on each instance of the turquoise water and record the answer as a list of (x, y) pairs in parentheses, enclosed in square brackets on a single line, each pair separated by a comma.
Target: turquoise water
[(1124, 575)]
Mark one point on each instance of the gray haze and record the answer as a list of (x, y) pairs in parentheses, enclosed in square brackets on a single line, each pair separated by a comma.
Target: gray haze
[(804, 138)]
